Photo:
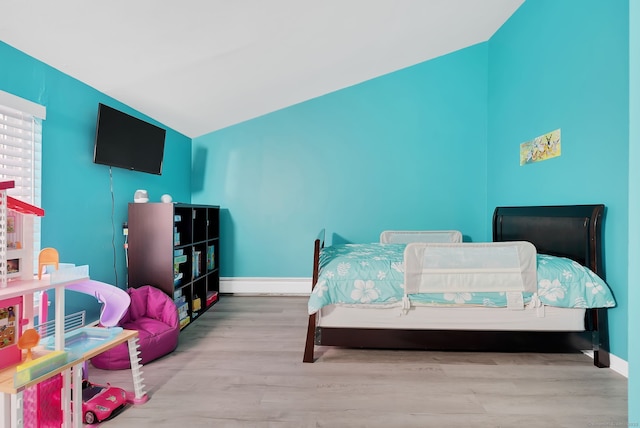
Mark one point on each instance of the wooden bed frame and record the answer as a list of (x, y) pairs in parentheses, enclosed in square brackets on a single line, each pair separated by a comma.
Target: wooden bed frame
[(572, 231)]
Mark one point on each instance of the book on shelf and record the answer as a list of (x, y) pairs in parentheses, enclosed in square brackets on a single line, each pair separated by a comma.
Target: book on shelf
[(177, 274), (183, 310), (211, 257), (177, 278), (176, 236), (184, 322), (196, 263)]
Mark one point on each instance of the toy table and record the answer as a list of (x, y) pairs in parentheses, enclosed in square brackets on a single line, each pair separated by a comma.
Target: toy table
[(11, 411)]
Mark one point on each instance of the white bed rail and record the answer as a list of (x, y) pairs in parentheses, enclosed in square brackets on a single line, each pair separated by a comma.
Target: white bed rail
[(508, 267), (408, 236)]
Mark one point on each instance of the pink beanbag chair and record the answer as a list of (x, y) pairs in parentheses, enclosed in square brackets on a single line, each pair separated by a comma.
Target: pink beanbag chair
[(155, 316)]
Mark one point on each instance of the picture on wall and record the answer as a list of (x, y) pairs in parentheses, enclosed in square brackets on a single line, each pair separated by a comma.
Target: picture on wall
[(541, 148)]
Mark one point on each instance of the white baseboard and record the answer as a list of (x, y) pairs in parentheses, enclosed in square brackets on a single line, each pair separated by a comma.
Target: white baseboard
[(619, 365), (266, 286), (302, 287), (616, 364)]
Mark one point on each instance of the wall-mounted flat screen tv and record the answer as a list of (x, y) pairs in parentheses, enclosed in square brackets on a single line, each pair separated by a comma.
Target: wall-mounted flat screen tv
[(127, 142)]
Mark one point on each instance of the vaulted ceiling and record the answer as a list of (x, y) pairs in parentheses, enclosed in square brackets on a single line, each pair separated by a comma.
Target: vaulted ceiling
[(201, 65)]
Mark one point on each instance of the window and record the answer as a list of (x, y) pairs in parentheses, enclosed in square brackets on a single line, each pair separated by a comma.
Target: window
[(21, 153)]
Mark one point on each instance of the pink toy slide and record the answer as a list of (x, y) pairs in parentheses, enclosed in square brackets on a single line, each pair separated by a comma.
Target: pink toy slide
[(115, 301)]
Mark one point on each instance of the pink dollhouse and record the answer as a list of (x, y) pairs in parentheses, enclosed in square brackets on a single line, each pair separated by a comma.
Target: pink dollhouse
[(16, 236), (37, 393), (16, 262)]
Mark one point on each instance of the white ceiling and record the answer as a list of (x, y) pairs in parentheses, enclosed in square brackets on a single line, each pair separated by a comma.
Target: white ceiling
[(201, 65)]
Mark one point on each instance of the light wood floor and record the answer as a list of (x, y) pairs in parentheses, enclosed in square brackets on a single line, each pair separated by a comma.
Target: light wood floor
[(240, 365)]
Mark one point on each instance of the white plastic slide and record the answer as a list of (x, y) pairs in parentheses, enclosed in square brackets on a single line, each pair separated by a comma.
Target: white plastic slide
[(115, 301)]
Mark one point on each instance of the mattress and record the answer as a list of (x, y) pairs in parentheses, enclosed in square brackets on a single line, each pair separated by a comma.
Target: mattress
[(374, 275), (547, 318)]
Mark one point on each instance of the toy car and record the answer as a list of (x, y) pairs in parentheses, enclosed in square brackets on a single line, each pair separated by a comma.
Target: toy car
[(100, 402)]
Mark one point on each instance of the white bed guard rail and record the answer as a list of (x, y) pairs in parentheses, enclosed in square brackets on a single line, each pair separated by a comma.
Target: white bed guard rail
[(508, 267), (407, 236)]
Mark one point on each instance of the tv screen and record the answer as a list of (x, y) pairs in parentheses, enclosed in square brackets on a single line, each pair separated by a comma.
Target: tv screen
[(128, 142)]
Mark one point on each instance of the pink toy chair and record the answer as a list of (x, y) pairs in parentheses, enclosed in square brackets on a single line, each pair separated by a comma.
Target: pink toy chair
[(155, 316)]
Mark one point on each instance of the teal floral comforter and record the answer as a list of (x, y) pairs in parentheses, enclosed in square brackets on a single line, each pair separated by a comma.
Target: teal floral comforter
[(373, 274)]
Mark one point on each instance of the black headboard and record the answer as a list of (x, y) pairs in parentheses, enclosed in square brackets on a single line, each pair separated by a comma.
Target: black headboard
[(572, 231)]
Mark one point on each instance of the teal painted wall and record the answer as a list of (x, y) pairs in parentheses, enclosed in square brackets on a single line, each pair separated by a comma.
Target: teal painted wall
[(403, 151), (556, 65), (406, 150), (634, 209), (76, 193)]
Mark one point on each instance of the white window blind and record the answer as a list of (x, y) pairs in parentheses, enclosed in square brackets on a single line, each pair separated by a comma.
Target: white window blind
[(21, 153)]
